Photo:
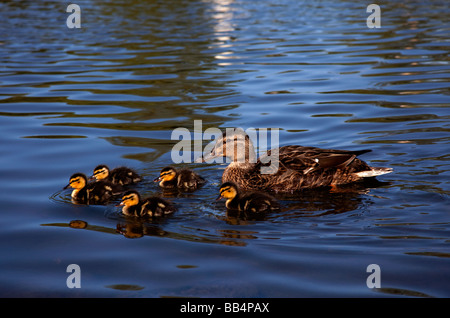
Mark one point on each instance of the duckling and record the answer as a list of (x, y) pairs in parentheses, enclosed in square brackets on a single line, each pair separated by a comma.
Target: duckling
[(253, 202), (89, 193), (183, 179), (119, 176), (289, 168), (134, 205)]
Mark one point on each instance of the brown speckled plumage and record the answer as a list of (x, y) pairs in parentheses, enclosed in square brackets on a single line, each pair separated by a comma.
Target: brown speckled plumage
[(292, 168)]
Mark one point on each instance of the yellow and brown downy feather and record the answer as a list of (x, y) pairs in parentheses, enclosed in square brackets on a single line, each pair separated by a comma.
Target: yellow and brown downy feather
[(119, 176), (249, 201), (289, 168), (134, 205), (89, 193), (183, 179)]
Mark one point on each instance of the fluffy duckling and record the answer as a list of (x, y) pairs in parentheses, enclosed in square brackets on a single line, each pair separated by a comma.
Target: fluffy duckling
[(119, 176), (89, 193), (288, 168), (253, 202), (183, 179), (134, 205)]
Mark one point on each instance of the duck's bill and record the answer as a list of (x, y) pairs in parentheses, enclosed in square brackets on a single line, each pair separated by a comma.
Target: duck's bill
[(219, 198), (157, 179), (67, 186)]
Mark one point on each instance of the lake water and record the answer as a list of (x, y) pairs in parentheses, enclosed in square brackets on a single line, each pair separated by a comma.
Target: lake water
[(114, 90)]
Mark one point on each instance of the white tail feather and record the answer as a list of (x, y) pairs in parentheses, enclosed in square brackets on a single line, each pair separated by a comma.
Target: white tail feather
[(374, 172)]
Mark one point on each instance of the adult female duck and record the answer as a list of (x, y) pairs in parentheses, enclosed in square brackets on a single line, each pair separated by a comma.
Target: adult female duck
[(288, 168)]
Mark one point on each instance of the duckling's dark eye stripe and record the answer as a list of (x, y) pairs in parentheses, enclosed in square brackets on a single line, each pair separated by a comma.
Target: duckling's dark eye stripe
[(225, 189), (98, 171), (127, 198), (164, 174), (74, 180)]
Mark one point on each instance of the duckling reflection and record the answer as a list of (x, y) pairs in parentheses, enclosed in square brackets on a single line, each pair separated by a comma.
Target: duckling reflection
[(138, 230), (78, 224), (182, 179), (89, 193), (82, 225)]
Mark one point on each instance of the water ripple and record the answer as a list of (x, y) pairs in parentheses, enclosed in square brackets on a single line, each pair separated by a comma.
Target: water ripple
[(114, 90)]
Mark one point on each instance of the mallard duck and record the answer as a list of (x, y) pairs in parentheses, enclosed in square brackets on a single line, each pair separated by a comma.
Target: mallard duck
[(134, 205), (288, 168), (119, 176), (89, 193), (183, 179), (253, 202)]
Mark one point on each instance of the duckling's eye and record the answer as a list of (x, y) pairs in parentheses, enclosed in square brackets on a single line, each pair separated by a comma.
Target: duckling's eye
[(224, 190), (99, 171), (74, 180)]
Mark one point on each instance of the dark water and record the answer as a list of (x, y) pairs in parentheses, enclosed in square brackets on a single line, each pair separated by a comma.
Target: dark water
[(115, 89)]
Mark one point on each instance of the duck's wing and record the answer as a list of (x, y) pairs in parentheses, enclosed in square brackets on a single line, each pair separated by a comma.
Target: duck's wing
[(308, 159)]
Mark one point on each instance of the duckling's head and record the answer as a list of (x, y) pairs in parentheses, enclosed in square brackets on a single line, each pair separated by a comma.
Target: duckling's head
[(77, 181), (234, 144), (101, 172), (228, 190), (130, 198), (166, 174)]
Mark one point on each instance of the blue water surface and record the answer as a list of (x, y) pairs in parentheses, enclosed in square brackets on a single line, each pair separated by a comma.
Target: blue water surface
[(114, 90)]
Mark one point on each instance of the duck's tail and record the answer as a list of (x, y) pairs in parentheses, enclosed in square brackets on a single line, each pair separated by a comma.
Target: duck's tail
[(375, 171)]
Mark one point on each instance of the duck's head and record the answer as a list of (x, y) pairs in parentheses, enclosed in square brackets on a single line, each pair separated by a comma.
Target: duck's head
[(100, 172), (77, 181), (166, 174), (228, 190), (234, 144), (130, 198)]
